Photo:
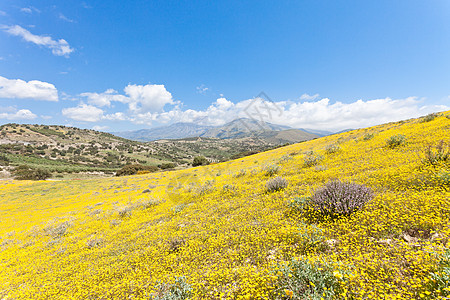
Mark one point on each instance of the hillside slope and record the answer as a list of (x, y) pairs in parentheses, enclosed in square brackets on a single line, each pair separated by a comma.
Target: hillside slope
[(215, 232), (69, 149)]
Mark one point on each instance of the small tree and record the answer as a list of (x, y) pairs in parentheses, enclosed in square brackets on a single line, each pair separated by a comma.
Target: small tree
[(200, 161)]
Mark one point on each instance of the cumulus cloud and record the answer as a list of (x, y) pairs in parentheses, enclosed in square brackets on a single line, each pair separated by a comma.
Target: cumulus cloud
[(104, 99), (33, 89), (59, 47), (147, 98), (22, 114), (118, 116), (141, 99), (84, 113), (321, 114)]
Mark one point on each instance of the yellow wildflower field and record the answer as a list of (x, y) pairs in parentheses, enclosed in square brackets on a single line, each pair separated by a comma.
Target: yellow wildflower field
[(226, 236)]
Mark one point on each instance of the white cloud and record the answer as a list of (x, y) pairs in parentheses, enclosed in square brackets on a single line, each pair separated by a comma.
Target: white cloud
[(26, 10), (33, 89), (147, 98), (59, 47), (141, 99), (308, 97), (84, 113), (2, 13), (202, 89), (64, 18), (100, 128), (321, 114), (105, 98), (118, 116), (22, 114)]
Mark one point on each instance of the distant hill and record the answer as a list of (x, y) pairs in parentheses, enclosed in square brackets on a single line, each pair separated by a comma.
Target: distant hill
[(240, 128), (174, 131), (236, 129), (317, 132), (287, 136)]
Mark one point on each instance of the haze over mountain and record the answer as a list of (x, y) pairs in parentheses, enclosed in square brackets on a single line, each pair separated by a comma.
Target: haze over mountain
[(174, 131), (239, 128)]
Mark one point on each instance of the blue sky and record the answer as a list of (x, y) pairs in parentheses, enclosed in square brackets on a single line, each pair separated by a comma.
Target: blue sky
[(123, 65)]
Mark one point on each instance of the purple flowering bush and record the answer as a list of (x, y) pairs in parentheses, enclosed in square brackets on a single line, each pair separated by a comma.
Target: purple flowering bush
[(337, 198)]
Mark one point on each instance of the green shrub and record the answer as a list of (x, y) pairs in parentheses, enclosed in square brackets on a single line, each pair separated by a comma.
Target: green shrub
[(179, 290), (429, 117), (4, 160), (301, 279), (299, 204), (333, 148), (311, 238), (395, 141), (439, 286), (440, 154), (276, 184), (444, 178), (165, 166), (368, 136), (312, 159), (25, 172), (199, 161), (134, 169), (272, 170)]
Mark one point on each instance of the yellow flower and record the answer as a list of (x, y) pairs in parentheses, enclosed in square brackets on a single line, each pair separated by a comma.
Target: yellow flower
[(338, 275), (289, 293)]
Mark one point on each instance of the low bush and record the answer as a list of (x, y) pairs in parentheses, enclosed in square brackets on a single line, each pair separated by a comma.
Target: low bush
[(179, 290), (25, 172), (429, 117), (134, 169), (312, 159), (276, 184), (444, 178), (439, 285), (337, 198), (301, 279), (272, 170), (311, 238), (441, 153), (199, 161), (165, 166), (395, 141), (333, 148), (299, 204)]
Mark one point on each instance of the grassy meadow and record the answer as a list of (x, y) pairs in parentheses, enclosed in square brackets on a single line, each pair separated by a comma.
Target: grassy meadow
[(218, 232)]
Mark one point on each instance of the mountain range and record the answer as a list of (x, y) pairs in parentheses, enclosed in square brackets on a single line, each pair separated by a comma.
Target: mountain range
[(238, 128)]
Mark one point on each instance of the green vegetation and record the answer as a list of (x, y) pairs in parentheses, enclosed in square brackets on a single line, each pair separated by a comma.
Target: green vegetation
[(300, 279), (27, 173), (396, 140), (199, 161), (276, 184), (135, 169)]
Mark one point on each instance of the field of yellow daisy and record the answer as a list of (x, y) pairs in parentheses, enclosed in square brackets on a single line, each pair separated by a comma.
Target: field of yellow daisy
[(243, 229)]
